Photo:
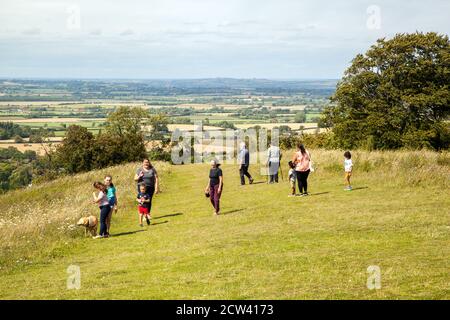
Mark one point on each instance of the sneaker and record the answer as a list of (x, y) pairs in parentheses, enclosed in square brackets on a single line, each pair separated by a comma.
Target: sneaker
[(291, 195), (148, 221), (141, 225), (97, 237), (251, 180)]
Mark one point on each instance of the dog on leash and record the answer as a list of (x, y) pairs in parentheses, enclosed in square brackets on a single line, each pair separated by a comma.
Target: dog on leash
[(90, 224)]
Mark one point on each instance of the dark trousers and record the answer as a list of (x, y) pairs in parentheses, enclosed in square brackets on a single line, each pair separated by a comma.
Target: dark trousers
[(244, 172), (104, 212), (273, 171), (302, 178), (151, 192), (274, 178), (214, 196)]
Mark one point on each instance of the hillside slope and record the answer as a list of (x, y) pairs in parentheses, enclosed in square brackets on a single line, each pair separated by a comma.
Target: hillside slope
[(265, 245)]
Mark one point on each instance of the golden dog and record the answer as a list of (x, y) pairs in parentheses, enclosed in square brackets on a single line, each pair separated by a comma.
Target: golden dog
[(90, 223)]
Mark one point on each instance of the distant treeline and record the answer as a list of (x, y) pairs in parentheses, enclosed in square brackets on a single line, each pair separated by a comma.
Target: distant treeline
[(123, 140), (9, 130), (31, 90)]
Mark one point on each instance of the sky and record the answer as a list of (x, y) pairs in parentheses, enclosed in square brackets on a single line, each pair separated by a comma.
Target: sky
[(160, 39)]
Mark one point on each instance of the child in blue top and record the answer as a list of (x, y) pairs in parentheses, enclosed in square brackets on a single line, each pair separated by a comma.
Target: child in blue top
[(112, 198)]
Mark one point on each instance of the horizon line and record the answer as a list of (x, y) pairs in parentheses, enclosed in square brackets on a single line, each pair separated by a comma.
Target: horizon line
[(163, 79)]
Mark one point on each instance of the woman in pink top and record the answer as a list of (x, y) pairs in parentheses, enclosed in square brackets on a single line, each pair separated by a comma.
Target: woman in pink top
[(302, 159)]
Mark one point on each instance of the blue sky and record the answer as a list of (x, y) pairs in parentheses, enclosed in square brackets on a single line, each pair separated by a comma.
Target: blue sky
[(277, 39)]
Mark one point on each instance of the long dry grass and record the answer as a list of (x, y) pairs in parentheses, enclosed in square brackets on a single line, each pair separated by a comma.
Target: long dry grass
[(42, 215), (397, 168), (35, 219)]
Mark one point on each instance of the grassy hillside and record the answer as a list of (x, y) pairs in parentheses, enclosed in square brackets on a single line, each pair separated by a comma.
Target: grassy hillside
[(265, 245)]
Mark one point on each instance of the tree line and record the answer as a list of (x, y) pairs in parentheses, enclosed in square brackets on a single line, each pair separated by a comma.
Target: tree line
[(123, 139)]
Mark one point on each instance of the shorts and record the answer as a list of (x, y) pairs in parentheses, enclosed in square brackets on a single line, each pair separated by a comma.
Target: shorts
[(143, 210)]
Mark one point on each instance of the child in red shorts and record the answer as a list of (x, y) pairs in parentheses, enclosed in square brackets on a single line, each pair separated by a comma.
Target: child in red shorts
[(143, 198)]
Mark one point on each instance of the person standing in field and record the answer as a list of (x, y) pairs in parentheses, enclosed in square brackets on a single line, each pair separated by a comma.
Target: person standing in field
[(214, 187), (147, 176), (111, 193), (273, 161), (101, 199), (348, 168), (302, 161), (244, 163)]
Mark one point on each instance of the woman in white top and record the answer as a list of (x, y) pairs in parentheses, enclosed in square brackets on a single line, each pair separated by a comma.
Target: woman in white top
[(102, 200)]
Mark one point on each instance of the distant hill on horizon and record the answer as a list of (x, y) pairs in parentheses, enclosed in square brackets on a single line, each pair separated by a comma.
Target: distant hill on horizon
[(60, 89)]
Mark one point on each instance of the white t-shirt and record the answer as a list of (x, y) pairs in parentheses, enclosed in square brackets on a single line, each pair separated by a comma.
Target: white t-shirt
[(273, 154), (104, 199), (348, 164)]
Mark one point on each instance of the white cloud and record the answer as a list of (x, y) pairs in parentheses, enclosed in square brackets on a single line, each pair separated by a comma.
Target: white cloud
[(193, 38)]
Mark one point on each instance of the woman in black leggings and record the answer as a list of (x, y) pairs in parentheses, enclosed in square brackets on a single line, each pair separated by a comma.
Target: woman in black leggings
[(302, 160)]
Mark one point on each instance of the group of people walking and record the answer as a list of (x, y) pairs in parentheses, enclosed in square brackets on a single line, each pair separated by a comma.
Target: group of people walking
[(300, 167), (147, 181)]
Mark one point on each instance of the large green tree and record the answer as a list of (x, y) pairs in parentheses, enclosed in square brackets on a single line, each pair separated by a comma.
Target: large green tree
[(121, 141), (157, 127), (76, 152), (395, 95)]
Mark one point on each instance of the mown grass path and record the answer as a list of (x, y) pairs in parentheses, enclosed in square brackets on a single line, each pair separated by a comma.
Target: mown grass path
[(265, 245)]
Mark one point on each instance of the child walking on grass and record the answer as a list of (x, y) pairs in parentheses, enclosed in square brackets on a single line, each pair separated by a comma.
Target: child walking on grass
[(144, 200), (348, 168), (292, 177)]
